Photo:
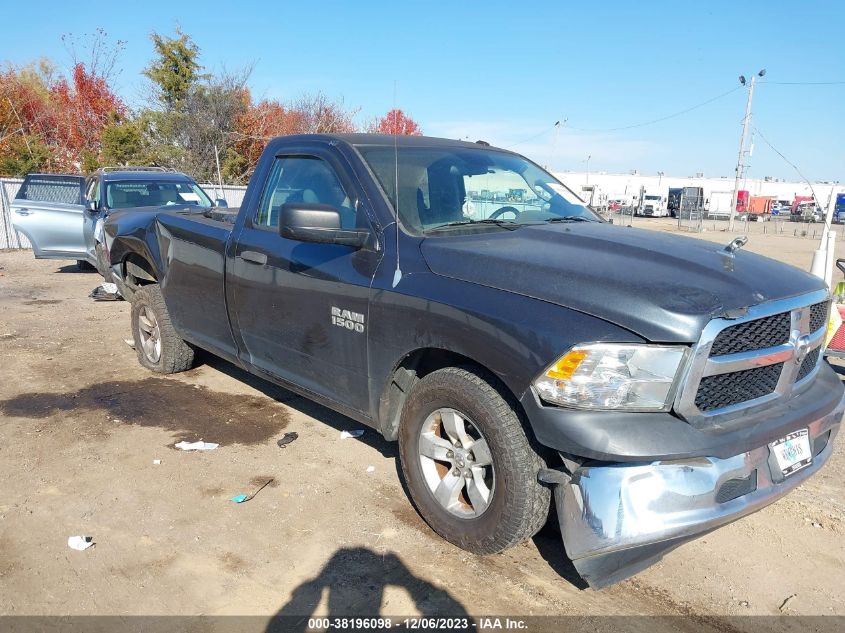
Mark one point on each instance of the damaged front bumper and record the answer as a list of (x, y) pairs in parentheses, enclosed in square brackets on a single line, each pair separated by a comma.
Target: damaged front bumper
[(618, 519)]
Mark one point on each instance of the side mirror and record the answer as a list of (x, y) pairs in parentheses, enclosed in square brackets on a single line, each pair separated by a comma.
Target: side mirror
[(91, 206), (318, 223), (220, 202)]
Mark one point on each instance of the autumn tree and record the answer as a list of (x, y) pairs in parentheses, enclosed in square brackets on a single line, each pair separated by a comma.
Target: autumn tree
[(395, 122), (26, 118), (51, 123), (83, 106), (258, 123), (321, 115)]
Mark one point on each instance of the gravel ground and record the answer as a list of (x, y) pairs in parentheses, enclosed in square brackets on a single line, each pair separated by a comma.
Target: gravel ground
[(83, 422)]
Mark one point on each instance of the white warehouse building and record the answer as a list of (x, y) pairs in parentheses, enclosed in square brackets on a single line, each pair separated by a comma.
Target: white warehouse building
[(628, 186)]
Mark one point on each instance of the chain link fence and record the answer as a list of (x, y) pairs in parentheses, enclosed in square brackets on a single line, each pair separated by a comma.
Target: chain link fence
[(10, 238), (751, 225)]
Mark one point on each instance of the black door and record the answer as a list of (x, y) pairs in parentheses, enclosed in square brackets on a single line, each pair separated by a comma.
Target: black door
[(301, 308)]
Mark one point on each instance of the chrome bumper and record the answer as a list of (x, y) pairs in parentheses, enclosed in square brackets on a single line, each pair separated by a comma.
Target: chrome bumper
[(618, 519)]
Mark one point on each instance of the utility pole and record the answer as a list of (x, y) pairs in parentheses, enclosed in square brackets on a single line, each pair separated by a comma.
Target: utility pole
[(745, 122), (219, 175)]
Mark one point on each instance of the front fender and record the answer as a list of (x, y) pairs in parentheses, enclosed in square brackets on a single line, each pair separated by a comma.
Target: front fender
[(513, 336)]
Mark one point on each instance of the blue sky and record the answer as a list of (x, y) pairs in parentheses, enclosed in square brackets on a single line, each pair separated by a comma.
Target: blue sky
[(506, 71)]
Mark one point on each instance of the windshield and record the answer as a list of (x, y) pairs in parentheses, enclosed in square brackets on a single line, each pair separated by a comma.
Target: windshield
[(652, 197), (127, 194), (467, 186)]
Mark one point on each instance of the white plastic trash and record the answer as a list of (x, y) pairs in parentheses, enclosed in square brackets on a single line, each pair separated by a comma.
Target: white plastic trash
[(345, 435), (80, 542), (196, 446)]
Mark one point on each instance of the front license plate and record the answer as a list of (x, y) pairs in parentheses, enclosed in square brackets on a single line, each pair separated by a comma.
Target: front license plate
[(792, 452)]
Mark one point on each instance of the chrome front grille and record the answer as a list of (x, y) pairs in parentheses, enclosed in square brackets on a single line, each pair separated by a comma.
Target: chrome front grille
[(723, 390), (765, 355), (753, 335), (819, 313), (809, 364)]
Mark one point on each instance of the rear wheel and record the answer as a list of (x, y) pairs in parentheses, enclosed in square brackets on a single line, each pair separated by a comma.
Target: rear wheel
[(157, 344), (470, 468)]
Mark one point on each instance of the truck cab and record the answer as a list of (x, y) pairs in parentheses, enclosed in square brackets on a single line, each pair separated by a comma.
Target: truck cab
[(654, 206)]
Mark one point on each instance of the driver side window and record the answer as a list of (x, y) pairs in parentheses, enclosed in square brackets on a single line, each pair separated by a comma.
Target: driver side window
[(303, 179)]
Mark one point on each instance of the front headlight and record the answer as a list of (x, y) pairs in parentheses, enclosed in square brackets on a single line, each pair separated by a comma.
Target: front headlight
[(613, 376)]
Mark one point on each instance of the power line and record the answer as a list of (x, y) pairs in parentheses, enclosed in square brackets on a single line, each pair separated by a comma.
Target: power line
[(531, 138), (779, 153), (658, 120), (628, 127), (794, 166), (803, 83)]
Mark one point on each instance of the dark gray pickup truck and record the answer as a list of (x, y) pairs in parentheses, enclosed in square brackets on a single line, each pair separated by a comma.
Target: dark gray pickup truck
[(518, 347)]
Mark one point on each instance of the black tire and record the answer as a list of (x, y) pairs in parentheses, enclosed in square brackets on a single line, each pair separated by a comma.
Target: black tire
[(174, 354), (102, 264), (519, 505)]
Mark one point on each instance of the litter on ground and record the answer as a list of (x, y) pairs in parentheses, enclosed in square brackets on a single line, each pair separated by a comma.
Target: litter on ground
[(156, 462), (196, 446), (287, 439), (243, 498), (371, 469), (105, 292), (80, 542), (130, 342), (345, 435)]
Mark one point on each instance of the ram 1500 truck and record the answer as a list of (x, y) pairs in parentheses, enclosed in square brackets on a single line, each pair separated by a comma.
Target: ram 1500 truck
[(654, 386)]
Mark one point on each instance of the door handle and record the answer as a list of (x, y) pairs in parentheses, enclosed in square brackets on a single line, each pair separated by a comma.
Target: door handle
[(254, 258), (23, 211)]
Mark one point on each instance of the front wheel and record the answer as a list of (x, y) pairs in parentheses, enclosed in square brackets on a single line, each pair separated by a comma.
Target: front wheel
[(157, 344), (469, 466)]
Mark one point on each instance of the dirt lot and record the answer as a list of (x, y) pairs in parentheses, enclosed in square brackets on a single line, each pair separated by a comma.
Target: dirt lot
[(82, 423)]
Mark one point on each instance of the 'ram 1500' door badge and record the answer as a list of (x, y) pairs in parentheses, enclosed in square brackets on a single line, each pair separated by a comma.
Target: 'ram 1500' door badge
[(353, 321)]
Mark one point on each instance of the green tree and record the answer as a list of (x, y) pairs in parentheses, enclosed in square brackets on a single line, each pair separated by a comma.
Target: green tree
[(123, 143), (24, 154), (175, 69)]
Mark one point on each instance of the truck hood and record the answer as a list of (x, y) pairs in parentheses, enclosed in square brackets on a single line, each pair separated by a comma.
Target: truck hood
[(662, 287)]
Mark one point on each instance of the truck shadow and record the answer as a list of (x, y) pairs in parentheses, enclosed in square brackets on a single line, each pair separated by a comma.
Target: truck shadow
[(547, 541), (308, 407), (355, 579)]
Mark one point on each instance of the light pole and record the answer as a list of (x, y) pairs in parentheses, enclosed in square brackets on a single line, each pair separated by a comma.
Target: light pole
[(589, 156), (745, 122)]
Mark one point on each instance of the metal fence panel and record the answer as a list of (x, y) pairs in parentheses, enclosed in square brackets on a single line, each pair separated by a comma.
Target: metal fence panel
[(9, 238)]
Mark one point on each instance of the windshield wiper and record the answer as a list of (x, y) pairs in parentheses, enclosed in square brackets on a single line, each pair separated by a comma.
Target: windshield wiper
[(569, 218), (507, 224)]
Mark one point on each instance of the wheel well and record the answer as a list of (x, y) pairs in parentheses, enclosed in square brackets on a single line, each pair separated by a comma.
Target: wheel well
[(138, 271), (417, 365)]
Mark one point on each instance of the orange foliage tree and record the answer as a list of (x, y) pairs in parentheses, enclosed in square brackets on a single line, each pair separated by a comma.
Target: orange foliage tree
[(82, 107), (395, 122)]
